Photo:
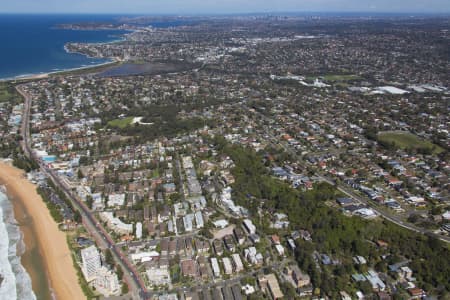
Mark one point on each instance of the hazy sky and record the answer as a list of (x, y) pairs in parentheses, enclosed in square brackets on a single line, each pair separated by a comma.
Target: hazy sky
[(220, 6)]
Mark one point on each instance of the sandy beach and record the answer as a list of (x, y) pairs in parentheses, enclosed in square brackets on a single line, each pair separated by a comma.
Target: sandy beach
[(113, 62), (51, 242)]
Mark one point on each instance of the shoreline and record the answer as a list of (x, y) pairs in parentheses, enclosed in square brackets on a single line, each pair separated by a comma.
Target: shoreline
[(35, 76), (42, 238), (46, 75), (30, 256)]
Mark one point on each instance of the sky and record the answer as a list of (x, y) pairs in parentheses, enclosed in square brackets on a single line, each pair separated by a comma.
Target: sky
[(221, 6)]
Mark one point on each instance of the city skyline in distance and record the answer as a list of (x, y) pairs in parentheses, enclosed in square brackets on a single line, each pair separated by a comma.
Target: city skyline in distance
[(183, 7)]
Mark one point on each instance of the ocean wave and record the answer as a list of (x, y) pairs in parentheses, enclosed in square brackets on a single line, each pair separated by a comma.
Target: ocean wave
[(16, 282)]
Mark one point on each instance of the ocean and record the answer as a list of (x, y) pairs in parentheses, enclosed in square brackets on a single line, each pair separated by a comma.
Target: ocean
[(15, 281), (31, 44)]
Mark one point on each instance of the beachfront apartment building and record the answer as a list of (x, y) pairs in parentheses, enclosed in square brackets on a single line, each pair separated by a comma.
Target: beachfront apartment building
[(104, 280), (91, 263), (107, 282)]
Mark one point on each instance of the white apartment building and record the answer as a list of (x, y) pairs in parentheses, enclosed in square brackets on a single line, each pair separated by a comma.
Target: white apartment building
[(91, 263)]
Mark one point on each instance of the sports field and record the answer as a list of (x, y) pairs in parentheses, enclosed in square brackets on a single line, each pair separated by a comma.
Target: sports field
[(407, 141)]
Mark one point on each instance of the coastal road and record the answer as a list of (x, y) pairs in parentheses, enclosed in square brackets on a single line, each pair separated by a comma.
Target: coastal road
[(135, 283), (347, 190), (24, 127)]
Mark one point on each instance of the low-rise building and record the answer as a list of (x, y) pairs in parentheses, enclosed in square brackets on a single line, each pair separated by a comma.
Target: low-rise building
[(280, 250), (239, 235), (158, 276), (187, 221), (115, 223), (144, 256), (116, 200), (199, 220), (188, 268), (248, 225), (269, 283), (227, 267), (229, 242), (301, 279), (253, 256), (237, 263), (215, 267), (138, 230), (218, 247)]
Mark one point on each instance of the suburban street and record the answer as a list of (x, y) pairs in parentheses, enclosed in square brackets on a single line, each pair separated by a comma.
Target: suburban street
[(95, 228), (136, 286), (229, 151), (131, 276), (348, 191)]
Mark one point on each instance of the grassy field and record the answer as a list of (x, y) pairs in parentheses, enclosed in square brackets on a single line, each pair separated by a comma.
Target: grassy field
[(335, 77), (8, 93), (121, 123), (408, 141)]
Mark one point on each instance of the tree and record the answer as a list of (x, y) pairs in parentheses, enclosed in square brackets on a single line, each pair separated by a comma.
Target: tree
[(109, 257), (119, 272), (77, 217), (175, 197), (365, 287), (437, 210), (124, 288), (257, 296), (288, 290), (89, 201)]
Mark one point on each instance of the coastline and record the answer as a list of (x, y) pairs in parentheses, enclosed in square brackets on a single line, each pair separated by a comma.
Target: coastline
[(111, 61), (46, 75), (30, 253), (42, 237)]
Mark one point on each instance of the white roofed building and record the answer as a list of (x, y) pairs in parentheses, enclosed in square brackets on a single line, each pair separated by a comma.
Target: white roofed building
[(91, 263), (115, 223), (116, 200), (251, 229), (158, 276), (237, 263), (138, 230), (215, 267), (144, 256), (106, 282), (228, 268), (199, 220)]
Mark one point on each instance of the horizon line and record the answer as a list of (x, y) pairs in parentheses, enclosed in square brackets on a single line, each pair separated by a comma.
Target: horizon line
[(274, 13)]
